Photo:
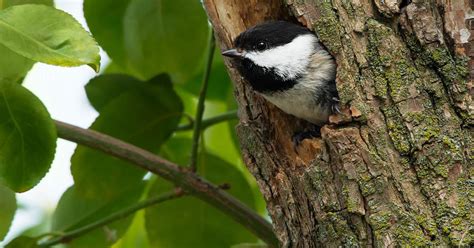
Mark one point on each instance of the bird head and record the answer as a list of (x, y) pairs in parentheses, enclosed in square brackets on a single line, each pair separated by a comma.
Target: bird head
[(277, 51)]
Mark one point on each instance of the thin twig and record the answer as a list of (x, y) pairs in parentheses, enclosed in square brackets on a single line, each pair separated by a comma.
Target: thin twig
[(180, 176), (69, 236), (231, 115), (202, 99)]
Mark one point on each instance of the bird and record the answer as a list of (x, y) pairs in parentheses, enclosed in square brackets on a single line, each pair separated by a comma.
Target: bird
[(286, 64)]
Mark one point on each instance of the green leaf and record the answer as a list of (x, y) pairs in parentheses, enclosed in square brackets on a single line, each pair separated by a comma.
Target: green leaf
[(165, 36), (27, 138), (177, 150), (13, 67), (104, 88), (115, 68), (219, 81), (218, 137), (145, 116), (8, 3), (76, 210), (108, 28), (232, 104), (249, 245), (190, 222), (47, 35), (8, 209), (136, 234), (148, 37), (23, 242)]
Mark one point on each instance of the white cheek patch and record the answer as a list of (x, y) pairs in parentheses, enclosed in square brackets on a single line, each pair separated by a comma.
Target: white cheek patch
[(289, 60)]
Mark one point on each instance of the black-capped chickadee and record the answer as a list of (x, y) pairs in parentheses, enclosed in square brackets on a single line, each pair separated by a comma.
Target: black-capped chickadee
[(288, 66)]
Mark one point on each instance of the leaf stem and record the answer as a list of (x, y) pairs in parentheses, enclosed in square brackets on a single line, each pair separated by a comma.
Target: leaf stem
[(231, 115), (68, 236), (201, 103), (180, 176)]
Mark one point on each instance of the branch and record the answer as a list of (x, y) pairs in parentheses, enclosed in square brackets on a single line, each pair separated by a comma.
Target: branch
[(231, 115), (200, 106), (180, 176), (68, 236)]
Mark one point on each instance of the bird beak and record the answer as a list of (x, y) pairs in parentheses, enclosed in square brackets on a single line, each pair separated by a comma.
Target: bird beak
[(233, 53)]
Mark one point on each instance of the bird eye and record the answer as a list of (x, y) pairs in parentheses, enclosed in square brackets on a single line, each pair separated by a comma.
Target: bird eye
[(261, 46)]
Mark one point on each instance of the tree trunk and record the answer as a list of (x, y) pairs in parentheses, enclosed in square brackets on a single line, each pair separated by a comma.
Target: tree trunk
[(397, 168)]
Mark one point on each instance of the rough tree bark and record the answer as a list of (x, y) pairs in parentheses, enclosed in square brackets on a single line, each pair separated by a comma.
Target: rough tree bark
[(397, 168)]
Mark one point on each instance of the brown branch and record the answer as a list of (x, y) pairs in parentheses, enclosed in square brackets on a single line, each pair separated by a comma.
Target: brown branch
[(178, 175)]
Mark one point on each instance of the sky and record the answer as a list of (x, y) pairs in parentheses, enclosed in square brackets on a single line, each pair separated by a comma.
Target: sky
[(62, 91)]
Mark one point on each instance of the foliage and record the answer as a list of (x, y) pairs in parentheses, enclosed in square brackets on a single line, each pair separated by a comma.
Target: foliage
[(145, 98), (27, 150), (13, 66), (8, 207), (44, 34)]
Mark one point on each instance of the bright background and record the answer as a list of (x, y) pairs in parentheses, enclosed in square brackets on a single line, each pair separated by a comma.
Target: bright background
[(62, 91)]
